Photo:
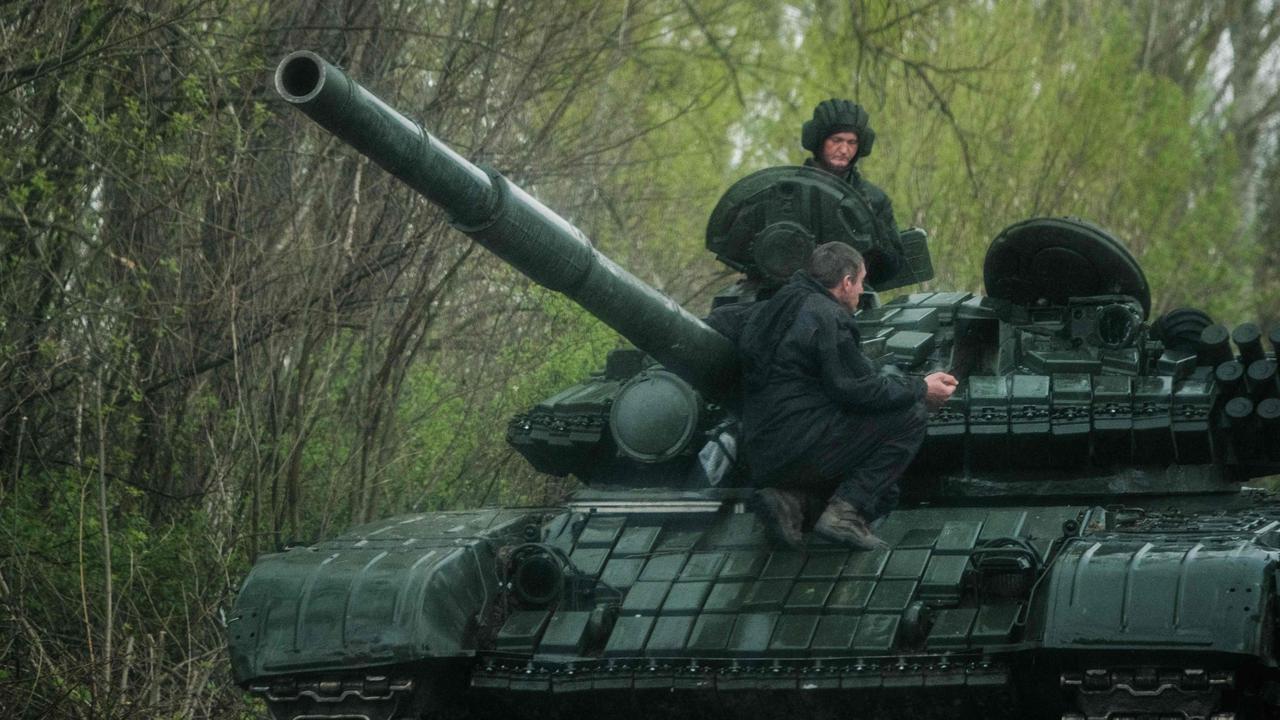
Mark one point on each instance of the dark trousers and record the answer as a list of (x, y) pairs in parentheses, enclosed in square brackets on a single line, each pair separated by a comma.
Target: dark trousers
[(862, 459)]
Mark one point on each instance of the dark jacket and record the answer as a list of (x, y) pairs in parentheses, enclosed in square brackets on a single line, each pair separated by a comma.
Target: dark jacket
[(875, 212), (803, 373)]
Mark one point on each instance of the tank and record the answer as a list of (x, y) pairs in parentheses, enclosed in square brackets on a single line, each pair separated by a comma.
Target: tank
[(1077, 539)]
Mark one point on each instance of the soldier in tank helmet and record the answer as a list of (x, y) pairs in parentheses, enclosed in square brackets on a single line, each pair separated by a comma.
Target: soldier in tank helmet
[(839, 134)]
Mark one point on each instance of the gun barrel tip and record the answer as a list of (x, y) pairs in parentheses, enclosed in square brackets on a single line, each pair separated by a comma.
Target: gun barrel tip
[(299, 75)]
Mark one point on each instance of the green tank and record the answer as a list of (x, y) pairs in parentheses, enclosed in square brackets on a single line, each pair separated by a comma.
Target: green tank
[(1076, 538)]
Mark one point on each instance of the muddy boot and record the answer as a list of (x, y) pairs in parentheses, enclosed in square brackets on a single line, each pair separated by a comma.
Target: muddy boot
[(782, 512), (842, 523)]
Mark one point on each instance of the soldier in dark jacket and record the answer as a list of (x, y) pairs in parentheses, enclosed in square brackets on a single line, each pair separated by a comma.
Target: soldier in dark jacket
[(819, 420), (838, 135)]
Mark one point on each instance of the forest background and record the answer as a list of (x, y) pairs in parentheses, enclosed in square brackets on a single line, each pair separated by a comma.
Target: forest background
[(222, 331)]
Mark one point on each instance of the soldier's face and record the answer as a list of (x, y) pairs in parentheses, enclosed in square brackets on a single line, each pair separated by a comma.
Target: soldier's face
[(839, 150), (850, 289)]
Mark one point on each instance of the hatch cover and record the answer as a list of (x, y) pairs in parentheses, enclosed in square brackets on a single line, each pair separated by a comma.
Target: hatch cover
[(767, 223), (1054, 259)]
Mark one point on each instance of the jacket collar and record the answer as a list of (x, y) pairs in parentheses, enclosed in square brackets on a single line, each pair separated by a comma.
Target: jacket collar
[(802, 281)]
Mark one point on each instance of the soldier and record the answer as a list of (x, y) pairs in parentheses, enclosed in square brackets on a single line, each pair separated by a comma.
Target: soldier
[(820, 422), (838, 135)]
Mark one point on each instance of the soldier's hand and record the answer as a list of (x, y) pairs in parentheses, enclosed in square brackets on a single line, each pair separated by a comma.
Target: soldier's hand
[(938, 387)]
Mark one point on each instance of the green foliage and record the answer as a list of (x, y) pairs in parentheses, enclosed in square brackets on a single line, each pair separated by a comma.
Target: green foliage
[(448, 429), (162, 574)]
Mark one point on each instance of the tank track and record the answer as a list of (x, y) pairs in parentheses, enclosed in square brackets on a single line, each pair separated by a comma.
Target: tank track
[(922, 687)]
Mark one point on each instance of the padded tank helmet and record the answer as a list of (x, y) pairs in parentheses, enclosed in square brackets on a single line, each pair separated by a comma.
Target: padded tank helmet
[(833, 116)]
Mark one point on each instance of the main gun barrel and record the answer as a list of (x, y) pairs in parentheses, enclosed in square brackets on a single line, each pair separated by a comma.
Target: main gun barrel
[(510, 223)]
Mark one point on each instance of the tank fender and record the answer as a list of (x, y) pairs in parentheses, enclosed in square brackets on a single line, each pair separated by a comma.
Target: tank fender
[(402, 590), (1132, 593)]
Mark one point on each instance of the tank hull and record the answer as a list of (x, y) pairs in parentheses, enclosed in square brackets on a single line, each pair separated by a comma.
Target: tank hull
[(1119, 612)]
